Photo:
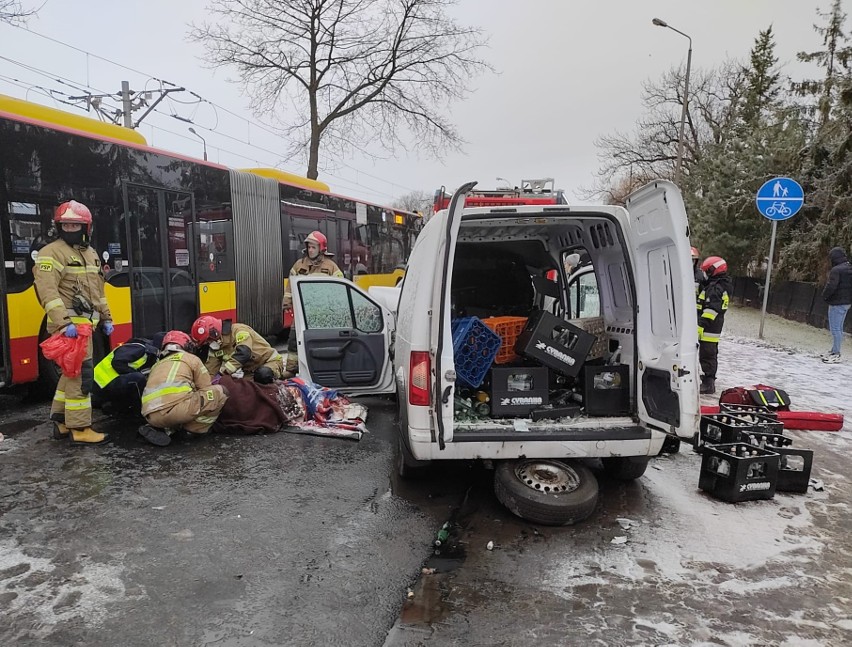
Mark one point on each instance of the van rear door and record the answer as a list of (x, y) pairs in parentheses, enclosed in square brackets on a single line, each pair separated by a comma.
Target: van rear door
[(343, 336), (441, 342), (666, 325)]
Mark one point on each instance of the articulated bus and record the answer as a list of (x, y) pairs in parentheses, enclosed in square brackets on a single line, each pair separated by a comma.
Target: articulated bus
[(178, 236)]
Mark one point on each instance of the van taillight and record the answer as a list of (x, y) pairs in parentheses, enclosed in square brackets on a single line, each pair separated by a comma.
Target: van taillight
[(418, 378)]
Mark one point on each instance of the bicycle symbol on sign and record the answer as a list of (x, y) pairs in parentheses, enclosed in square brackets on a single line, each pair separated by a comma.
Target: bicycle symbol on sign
[(779, 208)]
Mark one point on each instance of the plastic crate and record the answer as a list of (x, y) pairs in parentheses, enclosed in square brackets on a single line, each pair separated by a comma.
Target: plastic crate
[(765, 440), (555, 343), (730, 407), (794, 469), (739, 472), (765, 423), (594, 326), (508, 328), (475, 346), (716, 428)]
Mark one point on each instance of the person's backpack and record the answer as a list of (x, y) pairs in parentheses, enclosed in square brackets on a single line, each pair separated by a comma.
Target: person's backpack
[(759, 394)]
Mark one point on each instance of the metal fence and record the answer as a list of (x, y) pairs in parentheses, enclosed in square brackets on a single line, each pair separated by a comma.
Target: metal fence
[(789, 299)]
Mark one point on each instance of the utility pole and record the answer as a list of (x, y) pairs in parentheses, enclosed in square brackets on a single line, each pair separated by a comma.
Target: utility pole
[(126, 104), (130, 102)]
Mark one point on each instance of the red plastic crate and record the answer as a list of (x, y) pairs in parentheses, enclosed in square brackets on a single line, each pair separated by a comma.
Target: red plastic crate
[(508, 328)]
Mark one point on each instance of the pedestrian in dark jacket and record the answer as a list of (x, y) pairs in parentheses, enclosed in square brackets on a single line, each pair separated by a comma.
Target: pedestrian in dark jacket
[(838, 294), (120, 377), (713, 302)]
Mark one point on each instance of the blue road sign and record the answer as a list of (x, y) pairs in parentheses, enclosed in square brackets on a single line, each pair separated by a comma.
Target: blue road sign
[(780, 198)]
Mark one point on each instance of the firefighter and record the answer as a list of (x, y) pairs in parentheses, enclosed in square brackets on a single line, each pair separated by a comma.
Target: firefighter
[(69, 283), (315, 259), (179, 393), (713, 302), (120, 377), (697, 273), (240, 352)]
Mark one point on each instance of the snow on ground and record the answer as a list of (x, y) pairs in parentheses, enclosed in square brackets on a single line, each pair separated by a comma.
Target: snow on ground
[(752, 550)]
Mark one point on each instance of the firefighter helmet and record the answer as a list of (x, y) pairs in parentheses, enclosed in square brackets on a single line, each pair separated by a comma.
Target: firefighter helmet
[(318, 238), (178, 338), (206, 329), (714, 265), (73, 212), (695, 253)]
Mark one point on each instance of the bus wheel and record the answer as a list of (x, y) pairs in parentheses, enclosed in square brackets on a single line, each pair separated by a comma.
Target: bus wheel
[(546, 491)]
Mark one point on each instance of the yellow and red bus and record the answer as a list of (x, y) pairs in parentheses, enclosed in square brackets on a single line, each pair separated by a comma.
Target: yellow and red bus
[(178, 236)]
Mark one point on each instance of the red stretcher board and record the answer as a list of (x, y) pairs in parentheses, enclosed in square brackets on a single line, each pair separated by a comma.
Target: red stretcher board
[(802, 420)]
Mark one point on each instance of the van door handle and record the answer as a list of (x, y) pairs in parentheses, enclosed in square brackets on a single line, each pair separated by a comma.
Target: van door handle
[(446, 397)]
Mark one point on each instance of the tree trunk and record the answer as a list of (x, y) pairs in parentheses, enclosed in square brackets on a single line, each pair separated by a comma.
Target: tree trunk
[(313, 154)]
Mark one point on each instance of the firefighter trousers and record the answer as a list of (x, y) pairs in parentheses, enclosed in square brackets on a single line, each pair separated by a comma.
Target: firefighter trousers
[(72, 402), (708, 357), (194, 414)]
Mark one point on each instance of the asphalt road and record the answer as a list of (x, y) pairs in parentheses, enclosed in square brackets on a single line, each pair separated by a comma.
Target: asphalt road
[(298, 540)]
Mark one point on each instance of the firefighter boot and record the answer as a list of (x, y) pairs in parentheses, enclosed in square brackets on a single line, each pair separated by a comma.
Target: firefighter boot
[(60, 431), (708, 386), (156, 436), (292, 366), (87, 436)]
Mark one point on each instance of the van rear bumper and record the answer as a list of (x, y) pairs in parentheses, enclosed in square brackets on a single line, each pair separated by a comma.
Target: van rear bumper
[(501, 434)]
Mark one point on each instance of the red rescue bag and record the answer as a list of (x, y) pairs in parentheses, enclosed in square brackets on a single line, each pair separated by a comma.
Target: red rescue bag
[(68, 352)]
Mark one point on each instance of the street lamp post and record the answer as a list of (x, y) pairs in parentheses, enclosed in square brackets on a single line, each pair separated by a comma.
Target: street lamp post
[(203, 142), (662, 23)]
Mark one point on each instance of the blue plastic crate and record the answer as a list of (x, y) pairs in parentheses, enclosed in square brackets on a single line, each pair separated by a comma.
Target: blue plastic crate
[(475, 346)]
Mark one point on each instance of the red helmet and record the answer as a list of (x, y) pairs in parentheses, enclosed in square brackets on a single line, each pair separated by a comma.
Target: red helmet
[(714, 265), (206, 328), (695, 253), (177, 337), (74, 212), (318, 238)]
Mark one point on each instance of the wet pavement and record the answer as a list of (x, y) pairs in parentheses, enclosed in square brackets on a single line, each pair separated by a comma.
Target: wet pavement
[(299, 540)]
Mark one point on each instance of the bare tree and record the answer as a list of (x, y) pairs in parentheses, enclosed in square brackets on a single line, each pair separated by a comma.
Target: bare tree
[(650, 150), (416, 201), (347, 73), (14, 13)]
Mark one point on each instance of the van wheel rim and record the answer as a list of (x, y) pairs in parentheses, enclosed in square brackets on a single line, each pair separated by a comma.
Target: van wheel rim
[(548, 477)]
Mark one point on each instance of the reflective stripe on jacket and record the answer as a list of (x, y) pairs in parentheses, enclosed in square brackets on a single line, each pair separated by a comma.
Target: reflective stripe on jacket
[(173, 379)]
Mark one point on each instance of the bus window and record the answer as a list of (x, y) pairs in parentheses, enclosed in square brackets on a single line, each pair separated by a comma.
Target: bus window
[(26, 230), (214, 240)]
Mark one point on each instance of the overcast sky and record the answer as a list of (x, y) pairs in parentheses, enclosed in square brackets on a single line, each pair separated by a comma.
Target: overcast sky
[(569, 71)]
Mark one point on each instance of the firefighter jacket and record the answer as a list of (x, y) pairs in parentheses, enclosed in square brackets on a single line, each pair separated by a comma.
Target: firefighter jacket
[(175, 378), (838, 290), (69, 283), (242, 348), (322, 264), (132, 357), (713, 300)]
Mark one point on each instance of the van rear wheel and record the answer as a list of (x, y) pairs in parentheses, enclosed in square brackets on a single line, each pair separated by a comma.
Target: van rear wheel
[(546, 491)]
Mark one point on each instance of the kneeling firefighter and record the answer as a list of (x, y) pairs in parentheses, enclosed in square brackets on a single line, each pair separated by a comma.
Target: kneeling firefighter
[(713, 303), (120, 377), (240, 351), (179, 393)]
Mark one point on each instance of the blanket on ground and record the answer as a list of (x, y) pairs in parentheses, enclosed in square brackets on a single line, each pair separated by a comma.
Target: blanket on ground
[(295, 406)]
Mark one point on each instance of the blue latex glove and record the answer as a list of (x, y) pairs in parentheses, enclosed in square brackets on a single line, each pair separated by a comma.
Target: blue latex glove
[(70, 330), (108, 328)]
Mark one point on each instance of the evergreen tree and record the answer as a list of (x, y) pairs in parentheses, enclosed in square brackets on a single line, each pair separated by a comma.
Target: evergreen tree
[(763, 81)]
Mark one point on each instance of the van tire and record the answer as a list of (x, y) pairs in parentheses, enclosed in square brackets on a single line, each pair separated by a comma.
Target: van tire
[(408, 467), (625, 468), (521, 486)]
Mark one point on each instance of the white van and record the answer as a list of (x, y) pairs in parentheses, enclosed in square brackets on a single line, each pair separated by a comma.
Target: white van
[(483, 262)]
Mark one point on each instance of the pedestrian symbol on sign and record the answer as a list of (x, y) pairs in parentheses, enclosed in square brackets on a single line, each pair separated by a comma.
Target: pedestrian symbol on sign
[(780, 198)]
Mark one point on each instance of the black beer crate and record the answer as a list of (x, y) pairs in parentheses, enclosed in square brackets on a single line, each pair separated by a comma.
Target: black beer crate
[(768, 423), (737, 472), (794, 470), (736, 408), (555, 343), (764, 440), (716, 428), (517, 390), (606, 389)]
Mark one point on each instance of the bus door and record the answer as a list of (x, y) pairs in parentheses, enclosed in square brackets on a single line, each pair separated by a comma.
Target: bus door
[(5, 373), (163, 282)]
